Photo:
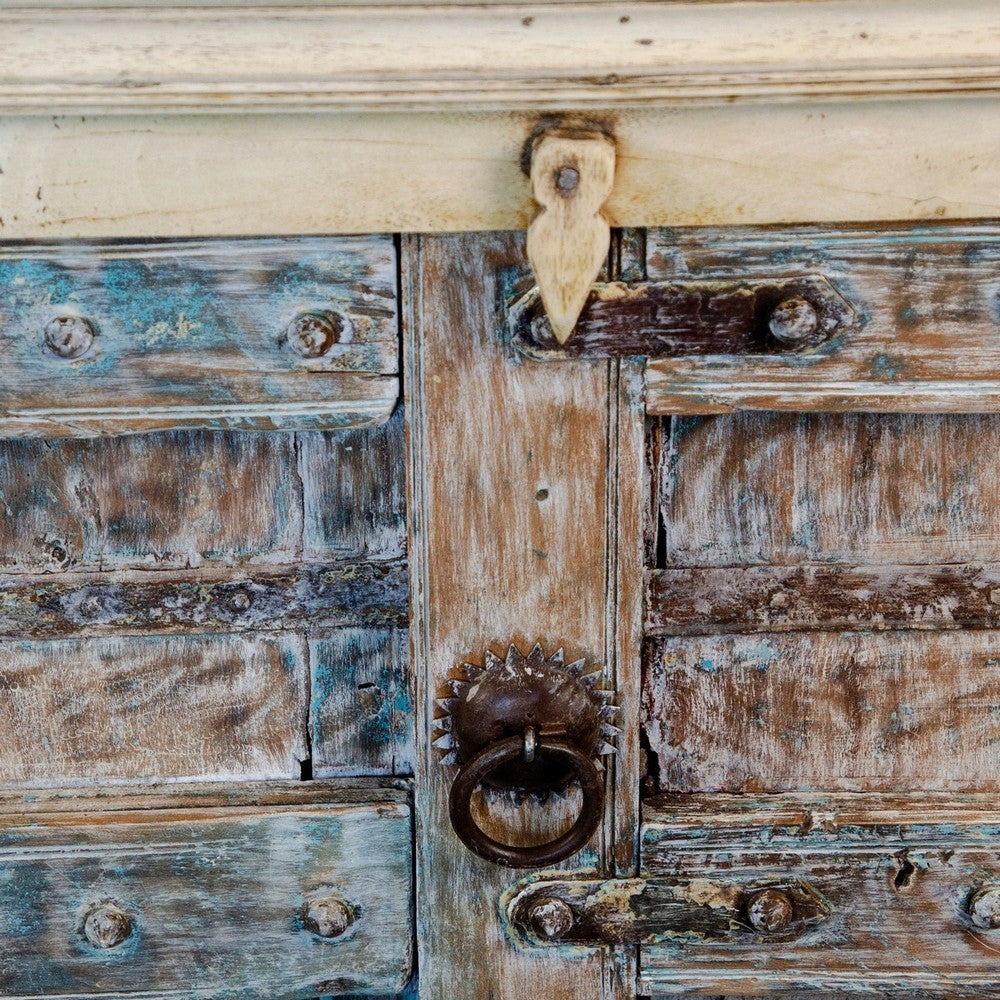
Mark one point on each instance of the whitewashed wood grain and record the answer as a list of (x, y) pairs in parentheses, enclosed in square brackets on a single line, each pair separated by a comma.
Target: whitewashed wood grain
[(858, 489), (236, 57), (896, 871), (509, 541), (929, 332), (133, 176), (195, 334), (851, 711), (215, 890), (146, 708)]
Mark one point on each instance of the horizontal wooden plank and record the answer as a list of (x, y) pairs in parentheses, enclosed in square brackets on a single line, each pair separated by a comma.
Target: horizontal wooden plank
[(183, 175), (694, 600), (146, 708), (362, 711), (166, 501), (897, 873), (200, 884), (221, 56), (851, 711), (929, 338), (306, 597), (823, 488), (196, 334)]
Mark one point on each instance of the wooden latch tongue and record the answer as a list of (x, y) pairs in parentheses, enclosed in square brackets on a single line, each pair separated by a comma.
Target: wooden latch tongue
[(572, 174)]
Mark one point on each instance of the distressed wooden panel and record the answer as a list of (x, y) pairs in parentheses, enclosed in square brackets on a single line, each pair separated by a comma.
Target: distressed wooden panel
[(362, 713), (856, 489), (847, 711), (215, 893), (897, 873), (518, 481), (193, 334), (313, 597), (127, 708), (930, 338), (354, 484), (697, 600), (164, 501)]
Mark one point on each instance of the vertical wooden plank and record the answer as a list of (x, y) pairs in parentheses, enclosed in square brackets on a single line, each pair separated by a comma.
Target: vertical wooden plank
[(354, 485), (362, 713), (510, 483)]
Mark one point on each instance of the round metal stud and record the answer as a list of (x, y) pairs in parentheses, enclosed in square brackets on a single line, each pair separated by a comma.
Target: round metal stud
[(769, 910), (550, 918), (313, 334), (107, 925), (69, 337), (794, 322), (328, 916), (568, 179), (984, 908)]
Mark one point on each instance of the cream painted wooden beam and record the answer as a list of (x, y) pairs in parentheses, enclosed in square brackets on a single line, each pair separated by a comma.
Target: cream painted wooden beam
[(358, 173), (228, 57)]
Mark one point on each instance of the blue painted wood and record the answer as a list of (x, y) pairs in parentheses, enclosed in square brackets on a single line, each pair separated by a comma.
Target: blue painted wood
[(194, 334), (216, 888)]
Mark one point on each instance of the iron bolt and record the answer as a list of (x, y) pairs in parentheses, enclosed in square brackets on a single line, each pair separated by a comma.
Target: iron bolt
[(107, 925), (328, 916), (312, 334), (770, 910), (567, 179), (550, 918), (240, 601), (984, 908), (91, 605), (794, 321), (69, 337)]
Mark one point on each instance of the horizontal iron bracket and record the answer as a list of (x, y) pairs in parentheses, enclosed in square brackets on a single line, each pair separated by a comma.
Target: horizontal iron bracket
[(668, 319), (573, 909)]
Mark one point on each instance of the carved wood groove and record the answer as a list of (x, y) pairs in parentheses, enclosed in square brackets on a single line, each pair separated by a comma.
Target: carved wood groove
[(305, 597)]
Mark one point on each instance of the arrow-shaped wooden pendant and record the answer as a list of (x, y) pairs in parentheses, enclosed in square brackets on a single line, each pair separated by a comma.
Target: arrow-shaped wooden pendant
[(568, 241)]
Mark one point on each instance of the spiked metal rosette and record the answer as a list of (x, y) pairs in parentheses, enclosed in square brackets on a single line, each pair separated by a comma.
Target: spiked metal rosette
[(532, 696)]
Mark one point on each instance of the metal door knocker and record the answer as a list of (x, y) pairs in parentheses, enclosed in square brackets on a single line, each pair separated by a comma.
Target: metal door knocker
[(531, 725)]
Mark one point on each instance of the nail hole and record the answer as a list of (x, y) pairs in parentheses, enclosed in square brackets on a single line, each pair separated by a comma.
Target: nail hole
[(903, 878), (542, 494), (367, 686)]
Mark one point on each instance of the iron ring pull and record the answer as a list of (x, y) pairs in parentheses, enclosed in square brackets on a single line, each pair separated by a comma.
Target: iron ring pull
[(474, 771)]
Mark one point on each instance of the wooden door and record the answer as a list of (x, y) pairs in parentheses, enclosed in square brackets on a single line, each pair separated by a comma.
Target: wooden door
[(803, 794)]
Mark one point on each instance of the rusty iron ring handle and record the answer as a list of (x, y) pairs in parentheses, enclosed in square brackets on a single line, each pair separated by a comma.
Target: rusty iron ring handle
[(472, 773)]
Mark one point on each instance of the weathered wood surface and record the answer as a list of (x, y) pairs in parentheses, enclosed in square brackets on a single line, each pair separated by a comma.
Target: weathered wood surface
[(825, 711), (213, 56), (142, 708), (182, 175), (658, 319), (897, 872), (309, 597), (853, 489), (696, 600), (362, 711), (190, 334), (182, 500), (354, 490), (215, 892), (929, 339), (518, 481)]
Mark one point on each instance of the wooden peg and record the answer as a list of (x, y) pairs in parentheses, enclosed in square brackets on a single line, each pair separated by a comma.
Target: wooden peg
[(568, 241)]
